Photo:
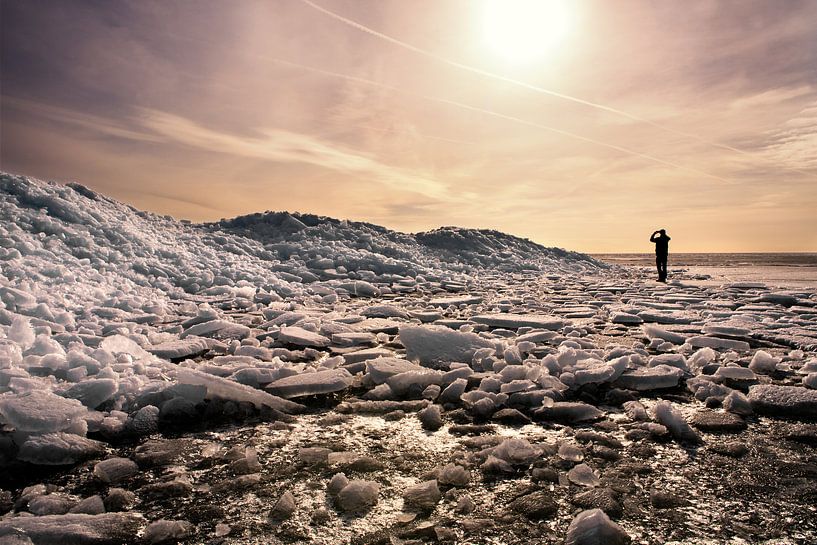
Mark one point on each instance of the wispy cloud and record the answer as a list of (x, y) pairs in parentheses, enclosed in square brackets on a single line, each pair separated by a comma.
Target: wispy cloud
[(772, 97), (278, 105), (795, 144), (289, 147), (92, 123)]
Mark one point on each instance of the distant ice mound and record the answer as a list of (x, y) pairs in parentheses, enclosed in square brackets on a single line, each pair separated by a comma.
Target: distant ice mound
[(359, 245), (493, 249)]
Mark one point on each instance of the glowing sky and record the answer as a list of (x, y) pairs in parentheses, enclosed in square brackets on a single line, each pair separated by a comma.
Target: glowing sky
[(433, 116)]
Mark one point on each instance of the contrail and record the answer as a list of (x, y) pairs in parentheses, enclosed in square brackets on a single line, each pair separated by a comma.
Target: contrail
[(523, 84), (498, 115)]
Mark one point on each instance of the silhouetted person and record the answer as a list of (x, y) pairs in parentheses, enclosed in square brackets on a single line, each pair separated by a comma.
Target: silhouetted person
[(661, 251)]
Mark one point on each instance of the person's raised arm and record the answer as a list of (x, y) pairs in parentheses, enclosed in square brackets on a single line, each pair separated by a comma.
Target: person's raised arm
[(652, 237)]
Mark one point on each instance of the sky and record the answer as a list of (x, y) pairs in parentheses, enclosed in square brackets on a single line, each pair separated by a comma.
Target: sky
[(583, 124)]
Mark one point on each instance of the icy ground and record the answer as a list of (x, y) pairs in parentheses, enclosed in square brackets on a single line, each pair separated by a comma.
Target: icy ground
[(285, 378)]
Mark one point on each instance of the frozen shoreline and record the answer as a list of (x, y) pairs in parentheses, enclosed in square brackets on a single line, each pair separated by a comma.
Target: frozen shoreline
[(224, 376)]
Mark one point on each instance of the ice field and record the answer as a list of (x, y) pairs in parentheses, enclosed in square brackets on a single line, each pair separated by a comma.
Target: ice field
[(288, 378)]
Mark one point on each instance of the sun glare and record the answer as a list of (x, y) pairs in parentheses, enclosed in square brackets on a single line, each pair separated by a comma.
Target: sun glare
[(524, 31)]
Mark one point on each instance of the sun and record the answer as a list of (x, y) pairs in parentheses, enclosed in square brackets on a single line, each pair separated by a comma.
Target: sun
[(524, 31)]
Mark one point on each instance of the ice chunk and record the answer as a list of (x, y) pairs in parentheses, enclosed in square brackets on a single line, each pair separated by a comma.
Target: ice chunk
[(513, 372), (650, 378), (337, 483), (454, 475), (404, 383), (583, 475), (181, 348), (51, 504), (735, 374), (536, 505), (456, 301), (702, 357), (119, 499), (431, 418), (667, 415), (598, 372), (423, 496), (655, 332), (380, 369), (571, 453), (21, 332), (358, 495), (431, 392), (45, 345), (808, 368), (285, 507), (313, 455), (380, 392), (10, 354), (163, 531), (810, 380), (465, 505), (94, 392), (221, 388), (515, 321), (77, 529), (360, 288), (705, 386), (92, 505), (516, 451), (779, 298), (366, 354), (569, 411), (494, 465), (119, 344), (764, 363), (219, 329), (673, 360), (58, 449), (625, 318), (114, 470), (301, 337), (594, 527), (380, 407), (635, 410), (728, 329), (791, 401), (320, 382), (17, 299), (438, 346), (512, 356), (453, 391), (384, 311), (737, 403), (40, 411), (719, 343), (517, 386)]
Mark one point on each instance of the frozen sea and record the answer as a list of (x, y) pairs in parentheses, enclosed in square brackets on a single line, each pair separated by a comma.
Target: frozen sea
[(782, 270), (292, 378)]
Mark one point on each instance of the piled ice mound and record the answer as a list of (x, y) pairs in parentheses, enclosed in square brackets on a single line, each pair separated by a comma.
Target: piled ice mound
[(115, 321), (330, 248), (70, 237)]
